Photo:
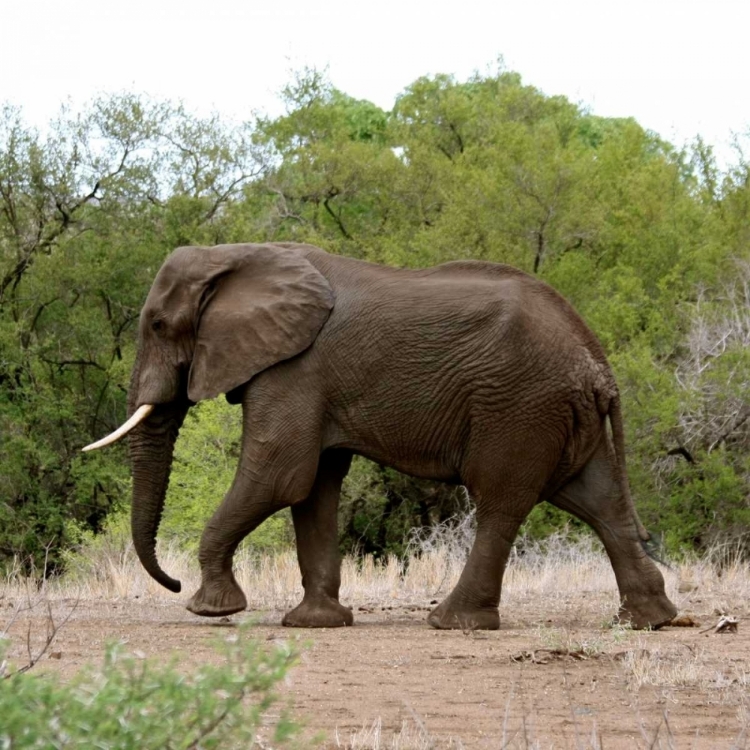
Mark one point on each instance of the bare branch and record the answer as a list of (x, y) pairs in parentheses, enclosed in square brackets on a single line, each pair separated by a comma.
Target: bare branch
[(52, 627), (336, 217)]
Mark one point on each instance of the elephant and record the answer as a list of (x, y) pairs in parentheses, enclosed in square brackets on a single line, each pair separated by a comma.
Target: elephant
[(470, 372)]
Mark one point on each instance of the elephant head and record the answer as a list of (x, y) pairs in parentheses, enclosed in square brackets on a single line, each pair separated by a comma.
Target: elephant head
[(214, 318)]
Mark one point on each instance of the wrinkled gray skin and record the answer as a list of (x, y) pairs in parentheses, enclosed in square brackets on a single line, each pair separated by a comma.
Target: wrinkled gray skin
[(470, 372)]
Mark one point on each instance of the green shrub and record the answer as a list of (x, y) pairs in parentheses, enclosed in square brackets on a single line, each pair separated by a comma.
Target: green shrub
[(380, 507), (141, 704)]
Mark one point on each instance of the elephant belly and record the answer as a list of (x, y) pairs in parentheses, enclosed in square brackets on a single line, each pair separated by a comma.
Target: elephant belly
[(419, 436), (423, 467)]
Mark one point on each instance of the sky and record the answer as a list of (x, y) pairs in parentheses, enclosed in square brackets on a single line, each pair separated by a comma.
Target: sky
[(680, 67)]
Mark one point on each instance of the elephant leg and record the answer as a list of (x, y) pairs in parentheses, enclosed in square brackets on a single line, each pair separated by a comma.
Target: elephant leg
[(595, 496), (261, 488), (243, 509), (473, 603), (316, 529)]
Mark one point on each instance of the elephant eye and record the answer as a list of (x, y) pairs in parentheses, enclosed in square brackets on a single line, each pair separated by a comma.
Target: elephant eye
[(157, 325)]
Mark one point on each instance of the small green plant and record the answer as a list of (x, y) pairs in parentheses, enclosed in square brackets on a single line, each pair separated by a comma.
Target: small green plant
[(140, 703), (620, 632)]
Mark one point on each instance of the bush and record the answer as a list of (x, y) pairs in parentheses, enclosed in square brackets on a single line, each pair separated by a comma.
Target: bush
[(139, 703), (547, 530), (380, 507)]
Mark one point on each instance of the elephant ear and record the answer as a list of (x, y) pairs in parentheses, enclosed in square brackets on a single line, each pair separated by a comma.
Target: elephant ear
[(262, 305)]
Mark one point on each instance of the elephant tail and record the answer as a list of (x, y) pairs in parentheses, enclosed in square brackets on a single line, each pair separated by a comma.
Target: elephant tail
[(618, 435)]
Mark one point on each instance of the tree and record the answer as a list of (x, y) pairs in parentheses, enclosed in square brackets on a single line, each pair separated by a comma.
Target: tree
[(87, 215)]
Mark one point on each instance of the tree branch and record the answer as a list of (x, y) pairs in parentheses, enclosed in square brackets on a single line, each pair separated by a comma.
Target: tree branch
[(681, 450), (332, 194), (62, 364)]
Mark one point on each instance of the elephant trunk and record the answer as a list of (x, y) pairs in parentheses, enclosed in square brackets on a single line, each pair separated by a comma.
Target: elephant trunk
[(151, 450)]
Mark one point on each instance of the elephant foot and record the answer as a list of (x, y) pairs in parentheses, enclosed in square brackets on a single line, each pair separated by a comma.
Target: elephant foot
[(323, 612), (445, 617), (643, 611), (217, 600)]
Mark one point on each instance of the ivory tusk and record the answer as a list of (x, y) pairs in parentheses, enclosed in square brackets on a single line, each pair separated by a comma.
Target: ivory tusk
[(138, 416)]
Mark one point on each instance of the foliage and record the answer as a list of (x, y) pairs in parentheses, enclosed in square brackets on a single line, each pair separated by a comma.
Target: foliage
[(87, 213), (379, 508), (650, 243), (141, 703)]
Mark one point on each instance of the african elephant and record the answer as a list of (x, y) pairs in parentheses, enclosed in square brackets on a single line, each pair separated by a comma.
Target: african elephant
[(470, 372)]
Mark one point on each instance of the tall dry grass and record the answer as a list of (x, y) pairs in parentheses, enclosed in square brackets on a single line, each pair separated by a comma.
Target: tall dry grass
[(561, 570)]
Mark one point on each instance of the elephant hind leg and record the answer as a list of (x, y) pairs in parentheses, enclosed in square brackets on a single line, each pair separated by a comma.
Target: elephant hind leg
[(595, 496), (316, 528), (473, 603)]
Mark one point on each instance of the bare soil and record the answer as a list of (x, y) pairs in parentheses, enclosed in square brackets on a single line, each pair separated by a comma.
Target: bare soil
[(556, 678)]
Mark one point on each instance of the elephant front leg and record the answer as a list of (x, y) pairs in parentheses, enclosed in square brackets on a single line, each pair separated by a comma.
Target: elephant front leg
[(249, 502), (316, 530), (240, 512)]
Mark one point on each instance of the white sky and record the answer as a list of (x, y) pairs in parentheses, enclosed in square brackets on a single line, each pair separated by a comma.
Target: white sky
[(680, 67)]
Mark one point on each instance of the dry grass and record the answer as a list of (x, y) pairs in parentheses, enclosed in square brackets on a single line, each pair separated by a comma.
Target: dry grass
[(560, 572), (674, 669), (411, 735), (272, 581)]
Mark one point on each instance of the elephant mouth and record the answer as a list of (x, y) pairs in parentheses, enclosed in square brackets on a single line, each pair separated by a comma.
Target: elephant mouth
[(138, 416)]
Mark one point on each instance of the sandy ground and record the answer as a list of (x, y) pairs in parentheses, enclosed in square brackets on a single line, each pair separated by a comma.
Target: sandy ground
[(555, 678)]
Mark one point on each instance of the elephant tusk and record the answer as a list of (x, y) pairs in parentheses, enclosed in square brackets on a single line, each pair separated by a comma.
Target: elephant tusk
[(138, 416)]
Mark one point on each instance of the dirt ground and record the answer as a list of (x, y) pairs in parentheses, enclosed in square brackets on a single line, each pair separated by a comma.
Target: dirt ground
[(547, 679)]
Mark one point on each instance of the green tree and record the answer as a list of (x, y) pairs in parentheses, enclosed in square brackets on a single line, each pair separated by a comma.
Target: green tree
[(87, 215)]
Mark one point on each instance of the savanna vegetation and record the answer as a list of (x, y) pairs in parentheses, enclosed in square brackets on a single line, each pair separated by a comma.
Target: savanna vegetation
[(133, 702), (650, 242)]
